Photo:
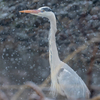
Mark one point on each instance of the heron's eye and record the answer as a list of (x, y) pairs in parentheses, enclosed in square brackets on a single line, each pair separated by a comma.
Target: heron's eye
[(42, 10)]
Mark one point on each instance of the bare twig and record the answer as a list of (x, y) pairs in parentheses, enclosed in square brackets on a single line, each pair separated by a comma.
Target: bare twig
[(90, 70), (20, 90), (96, 88), (36, 89), (10, 87), (3, 96), (96, 98)]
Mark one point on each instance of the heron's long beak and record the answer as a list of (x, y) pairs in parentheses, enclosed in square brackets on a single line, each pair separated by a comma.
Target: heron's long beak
[(30, 11)]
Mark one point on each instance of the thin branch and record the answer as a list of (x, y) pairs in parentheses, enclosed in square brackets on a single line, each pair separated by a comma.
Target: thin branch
[(3, 96), (96, 98), (90, 70), (36, 89), (19, 92)]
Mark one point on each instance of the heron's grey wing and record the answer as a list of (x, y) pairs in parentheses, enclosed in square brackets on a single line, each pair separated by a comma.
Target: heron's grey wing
[(71, 84)]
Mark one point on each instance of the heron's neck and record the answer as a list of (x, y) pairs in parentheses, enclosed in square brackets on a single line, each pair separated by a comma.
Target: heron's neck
[(53, 52)]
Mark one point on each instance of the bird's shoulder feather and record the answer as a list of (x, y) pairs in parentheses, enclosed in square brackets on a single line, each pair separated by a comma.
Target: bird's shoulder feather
[(71, 83)]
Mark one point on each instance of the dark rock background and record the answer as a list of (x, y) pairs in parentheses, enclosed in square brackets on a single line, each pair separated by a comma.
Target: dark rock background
[(24, 39)]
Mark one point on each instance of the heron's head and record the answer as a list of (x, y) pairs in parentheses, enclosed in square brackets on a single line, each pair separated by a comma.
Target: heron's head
[(42, 12)]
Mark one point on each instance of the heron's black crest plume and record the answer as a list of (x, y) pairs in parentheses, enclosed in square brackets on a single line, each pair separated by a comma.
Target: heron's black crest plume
[(47, 9)]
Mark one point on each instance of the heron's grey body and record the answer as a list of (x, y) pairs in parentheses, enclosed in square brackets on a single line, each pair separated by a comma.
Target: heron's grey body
[(64, 80)]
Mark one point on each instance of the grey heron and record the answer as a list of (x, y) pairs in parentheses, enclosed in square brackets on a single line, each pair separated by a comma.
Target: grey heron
[(64, 80)]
